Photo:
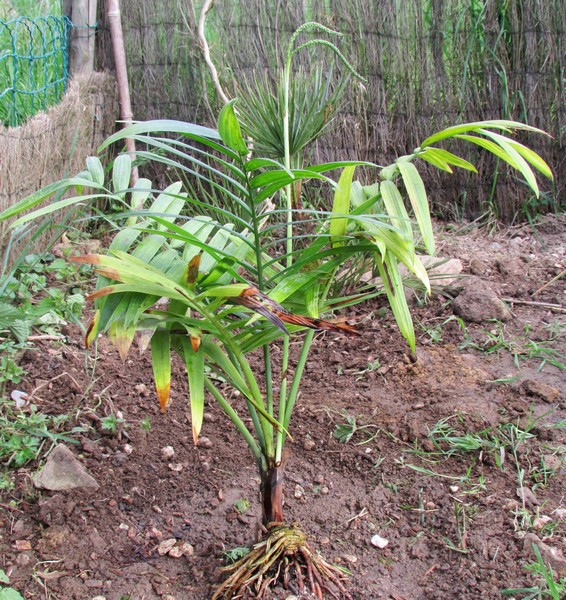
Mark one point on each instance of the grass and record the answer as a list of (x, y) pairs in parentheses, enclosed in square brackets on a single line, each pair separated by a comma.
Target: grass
[(496, 340), (547, 587), (11, 9), (521, 347), (39, 296), (26, 435)]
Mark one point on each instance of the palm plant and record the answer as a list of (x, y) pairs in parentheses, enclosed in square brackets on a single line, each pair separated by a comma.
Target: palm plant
[(236, 281)]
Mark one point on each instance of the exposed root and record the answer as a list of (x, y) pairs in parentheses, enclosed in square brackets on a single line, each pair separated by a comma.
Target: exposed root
[(284, 558)]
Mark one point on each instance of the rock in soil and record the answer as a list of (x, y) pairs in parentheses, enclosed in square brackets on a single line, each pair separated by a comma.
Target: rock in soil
[(478, 303), (63, 472)]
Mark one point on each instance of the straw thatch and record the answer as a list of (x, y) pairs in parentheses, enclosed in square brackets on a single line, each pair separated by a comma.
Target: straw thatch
[(428, 65), (54, 144)]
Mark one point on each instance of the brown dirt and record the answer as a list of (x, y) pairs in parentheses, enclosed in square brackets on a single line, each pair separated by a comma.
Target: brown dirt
[(453, 533)]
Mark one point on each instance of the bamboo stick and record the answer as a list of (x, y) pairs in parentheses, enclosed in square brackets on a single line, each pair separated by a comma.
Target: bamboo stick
[(115, 24)]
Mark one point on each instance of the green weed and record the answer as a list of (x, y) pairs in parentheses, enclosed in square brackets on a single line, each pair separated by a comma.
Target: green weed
[(26, 436), (547, 587), (8, 593), (112, 423), (344, 432), (520, 347), (234, 554)]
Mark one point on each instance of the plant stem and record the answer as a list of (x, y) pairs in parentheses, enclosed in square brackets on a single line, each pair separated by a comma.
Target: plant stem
[(282, 399), (289, 248), (272, 494), (268, 388), (293, 392), (266, 431), (286, 408)]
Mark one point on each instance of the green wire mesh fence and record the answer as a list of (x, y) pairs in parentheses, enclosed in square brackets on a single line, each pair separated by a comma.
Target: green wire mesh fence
[(33, 66)]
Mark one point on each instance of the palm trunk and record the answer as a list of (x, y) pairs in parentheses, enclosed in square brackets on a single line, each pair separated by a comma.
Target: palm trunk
[(272, 494)]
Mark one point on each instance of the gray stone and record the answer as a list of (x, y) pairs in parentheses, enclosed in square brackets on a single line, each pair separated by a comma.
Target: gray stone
[(63, 472), (478, 303)]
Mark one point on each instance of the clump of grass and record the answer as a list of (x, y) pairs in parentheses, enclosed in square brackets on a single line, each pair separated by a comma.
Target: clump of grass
[(547, 587)]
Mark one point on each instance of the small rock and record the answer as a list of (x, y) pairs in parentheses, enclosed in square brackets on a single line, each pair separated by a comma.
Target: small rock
[(181, 549), (350, 558), (324, 490), (22, 545), (89, 446), (99, 598), (188, 549), (63, 472), (512, 267), (165, 546), (119, 458), (167, 452), (308, 443), (176, 467), (141, 389), (204, 442), (511, 505), (454, 488), (527, 495), (299, 491), (128, 449), (540, 522), (20, 398), (24, 559), (477, 267), (560, 513), (20, 528), (324, 540), (552, 462), (379, 542), (543, 391), (154, 533), (175, 552)]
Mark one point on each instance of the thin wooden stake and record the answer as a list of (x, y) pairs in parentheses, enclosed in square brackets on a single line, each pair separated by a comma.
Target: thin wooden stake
[(126, 115)]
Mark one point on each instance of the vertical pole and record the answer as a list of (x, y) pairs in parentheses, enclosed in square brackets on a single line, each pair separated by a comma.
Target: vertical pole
[(126, 115), (82, 14)]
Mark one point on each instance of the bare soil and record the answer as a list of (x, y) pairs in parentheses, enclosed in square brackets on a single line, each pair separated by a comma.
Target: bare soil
[(455, 523)]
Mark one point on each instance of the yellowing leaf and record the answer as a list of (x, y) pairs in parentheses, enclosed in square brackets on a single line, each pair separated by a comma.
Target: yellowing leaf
[(194, 361), (161, 363)]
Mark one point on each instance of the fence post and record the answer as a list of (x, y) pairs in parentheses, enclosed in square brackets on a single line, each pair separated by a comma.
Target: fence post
[(82, 14)]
